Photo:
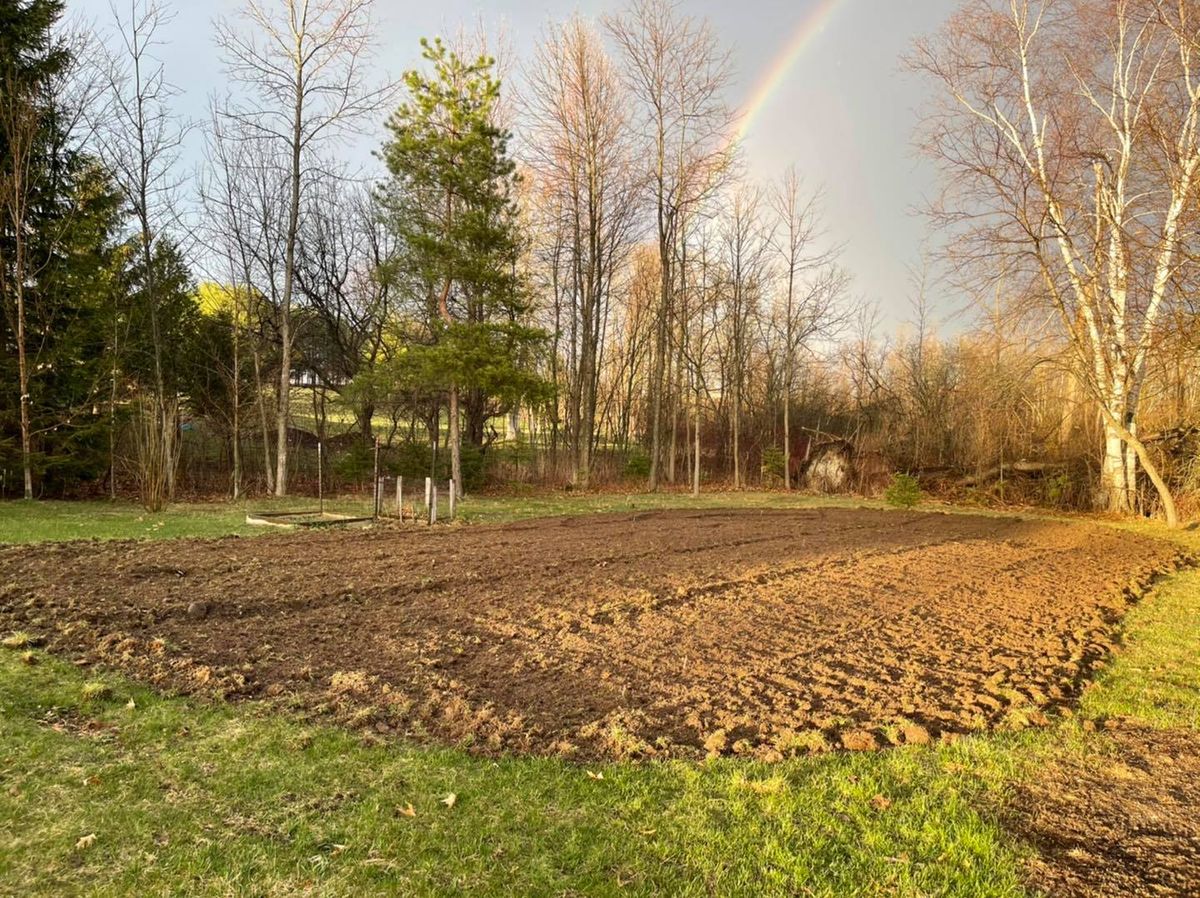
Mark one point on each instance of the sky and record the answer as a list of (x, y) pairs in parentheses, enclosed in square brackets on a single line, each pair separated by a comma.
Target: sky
[(840, 106)]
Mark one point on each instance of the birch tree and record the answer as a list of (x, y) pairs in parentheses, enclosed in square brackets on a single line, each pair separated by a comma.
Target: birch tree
[(1068, 134)]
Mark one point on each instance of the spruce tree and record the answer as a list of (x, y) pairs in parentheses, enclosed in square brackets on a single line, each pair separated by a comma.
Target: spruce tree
[(58, 215)]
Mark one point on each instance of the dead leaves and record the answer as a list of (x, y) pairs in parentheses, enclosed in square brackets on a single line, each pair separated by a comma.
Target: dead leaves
[(85, 842), (450, 799)]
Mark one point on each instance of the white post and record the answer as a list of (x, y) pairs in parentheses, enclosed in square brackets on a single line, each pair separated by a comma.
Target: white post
[(433, 508), (400, 497), (428, 490), (453, 499)]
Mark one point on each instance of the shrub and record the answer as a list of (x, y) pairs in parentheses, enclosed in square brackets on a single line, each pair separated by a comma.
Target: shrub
[(473, 467), (356, 463), (903, 492), (772, 464), (637, 465), (1059, 489), (408, 459)]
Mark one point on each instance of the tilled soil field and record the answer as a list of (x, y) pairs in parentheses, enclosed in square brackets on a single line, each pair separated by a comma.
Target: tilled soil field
[(632, 635)]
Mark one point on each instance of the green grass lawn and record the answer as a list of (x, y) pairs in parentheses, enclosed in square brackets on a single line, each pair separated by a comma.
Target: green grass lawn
[(107, 788), (43, 521), (31, 522), (214, 800)]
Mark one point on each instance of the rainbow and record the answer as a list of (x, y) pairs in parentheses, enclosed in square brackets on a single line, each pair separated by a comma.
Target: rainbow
[(810, 26)]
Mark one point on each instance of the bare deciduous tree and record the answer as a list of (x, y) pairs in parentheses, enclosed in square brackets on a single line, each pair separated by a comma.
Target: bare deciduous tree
[(139, 139), (813, 285), (581, 149), (678, 72), (747, 259), (20, 123), (303, 64)]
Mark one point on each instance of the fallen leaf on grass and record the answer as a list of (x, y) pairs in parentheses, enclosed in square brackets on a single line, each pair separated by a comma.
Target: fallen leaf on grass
[(85, 842), (881, 802), (595, 776), (130, 705), (449, 800), (407, 811)]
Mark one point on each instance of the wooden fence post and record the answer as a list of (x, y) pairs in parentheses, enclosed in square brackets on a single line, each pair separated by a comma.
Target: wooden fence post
[(400, 497), (428, 490), (453, 499), (433, 507)]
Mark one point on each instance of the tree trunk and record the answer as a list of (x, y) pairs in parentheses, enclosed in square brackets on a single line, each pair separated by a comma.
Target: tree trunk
[(737, 460), (672, 442), (112, 426), (660, 356), (656, 403), (787, 433), (23, 377), (1132, 445), (285, 303), (269, 472), (235, 397), (455, 443), (1160, 485), (1116, 491)]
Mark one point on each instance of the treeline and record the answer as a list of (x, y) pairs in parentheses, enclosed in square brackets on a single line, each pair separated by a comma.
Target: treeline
[(560, 271)]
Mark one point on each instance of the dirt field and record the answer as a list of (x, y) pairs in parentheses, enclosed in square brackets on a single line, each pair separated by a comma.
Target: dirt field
[(664, 633)]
